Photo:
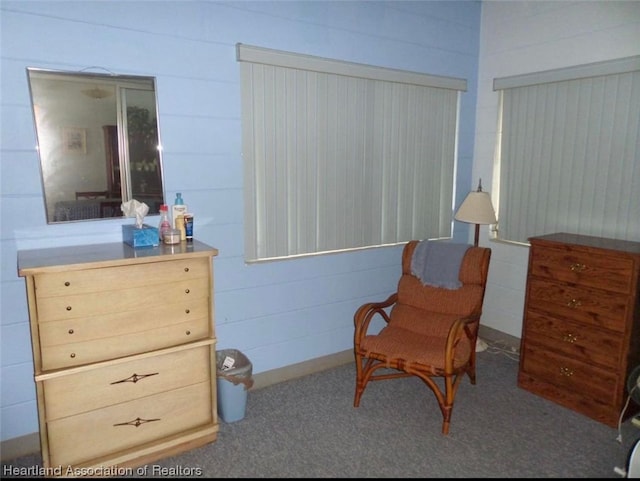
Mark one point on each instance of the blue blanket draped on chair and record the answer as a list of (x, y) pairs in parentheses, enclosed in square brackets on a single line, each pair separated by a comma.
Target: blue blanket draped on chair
[(437, 263)]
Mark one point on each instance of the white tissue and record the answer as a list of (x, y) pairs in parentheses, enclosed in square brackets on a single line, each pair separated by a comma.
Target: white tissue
[(133, 208)]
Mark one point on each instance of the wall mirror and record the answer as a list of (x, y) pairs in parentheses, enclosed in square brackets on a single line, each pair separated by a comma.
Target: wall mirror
[(99, 143)]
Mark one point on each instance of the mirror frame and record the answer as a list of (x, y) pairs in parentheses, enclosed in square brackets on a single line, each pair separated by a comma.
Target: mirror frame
[(123, 153)]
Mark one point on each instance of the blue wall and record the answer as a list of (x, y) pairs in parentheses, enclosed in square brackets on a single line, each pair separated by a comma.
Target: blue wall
[(278, 313)]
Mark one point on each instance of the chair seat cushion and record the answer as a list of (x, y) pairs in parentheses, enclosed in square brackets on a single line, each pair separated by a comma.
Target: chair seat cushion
[(425, 351), (423, 322)]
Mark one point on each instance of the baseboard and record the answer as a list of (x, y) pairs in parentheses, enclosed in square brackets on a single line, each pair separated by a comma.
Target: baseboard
[(301, 369), (30, 443), (493, 336)]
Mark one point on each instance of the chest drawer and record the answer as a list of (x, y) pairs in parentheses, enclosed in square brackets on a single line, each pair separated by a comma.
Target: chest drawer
[(124, 299), (578, 341), (590, 306), (70, 283), (105, 431), (586, 269), (98, 387), (73, 342), (571, 375)]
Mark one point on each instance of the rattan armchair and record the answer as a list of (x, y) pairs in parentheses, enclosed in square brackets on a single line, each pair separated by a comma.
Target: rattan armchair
[(430, 332)]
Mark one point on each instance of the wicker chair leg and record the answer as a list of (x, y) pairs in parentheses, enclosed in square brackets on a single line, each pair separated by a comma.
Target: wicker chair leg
[(360, 385), (446, 422)]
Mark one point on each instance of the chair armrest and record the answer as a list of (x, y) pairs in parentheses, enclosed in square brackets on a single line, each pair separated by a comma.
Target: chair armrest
[(464, 327), (367, 311)]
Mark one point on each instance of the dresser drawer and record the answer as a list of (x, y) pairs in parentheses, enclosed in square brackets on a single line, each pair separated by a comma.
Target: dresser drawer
[(586, 269), (118, 427), (123, 299), (73, 342), (578, 341), (590, 306), (99, 387), (73, 282), (570, 375)]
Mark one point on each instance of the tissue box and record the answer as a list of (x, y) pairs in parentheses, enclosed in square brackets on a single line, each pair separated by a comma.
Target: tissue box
[(146, 236)]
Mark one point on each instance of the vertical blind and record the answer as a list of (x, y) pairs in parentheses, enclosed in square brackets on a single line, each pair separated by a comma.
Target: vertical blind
[(570, 152), (340, 156)]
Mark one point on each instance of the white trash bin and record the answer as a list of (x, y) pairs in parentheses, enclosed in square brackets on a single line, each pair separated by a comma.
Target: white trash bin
[(233, 384)]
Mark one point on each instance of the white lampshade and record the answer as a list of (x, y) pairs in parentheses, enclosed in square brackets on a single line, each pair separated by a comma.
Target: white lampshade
[(477, 209)]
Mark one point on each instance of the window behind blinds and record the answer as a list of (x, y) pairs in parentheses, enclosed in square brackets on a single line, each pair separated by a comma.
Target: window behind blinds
[(342, 156), (570, 152)]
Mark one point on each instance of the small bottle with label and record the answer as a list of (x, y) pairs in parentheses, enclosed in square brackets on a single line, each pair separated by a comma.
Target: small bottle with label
[(188, 226), (165, 224)]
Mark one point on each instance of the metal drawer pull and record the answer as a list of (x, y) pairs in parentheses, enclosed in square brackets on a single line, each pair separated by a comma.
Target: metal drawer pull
[(186, 291), (137, 422), (67, 284), (186, 269), (565, 371), (68, 308), (577, 267), (73, 355), (70, 331), (570, 338), (188, 333), (573, 303), (134, 378)]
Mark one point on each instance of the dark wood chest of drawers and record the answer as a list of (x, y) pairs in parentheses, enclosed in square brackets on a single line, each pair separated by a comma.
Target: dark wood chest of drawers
[(581, 328)]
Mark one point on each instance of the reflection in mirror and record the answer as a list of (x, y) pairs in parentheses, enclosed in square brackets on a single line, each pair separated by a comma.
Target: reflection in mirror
[(98, 141)]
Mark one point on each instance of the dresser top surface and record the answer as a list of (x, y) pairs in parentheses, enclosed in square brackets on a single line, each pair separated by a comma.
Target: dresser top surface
[(589, 241), (104, 255)]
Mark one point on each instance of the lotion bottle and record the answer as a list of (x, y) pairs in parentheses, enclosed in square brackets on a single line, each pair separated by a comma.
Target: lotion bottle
[(179, 208)]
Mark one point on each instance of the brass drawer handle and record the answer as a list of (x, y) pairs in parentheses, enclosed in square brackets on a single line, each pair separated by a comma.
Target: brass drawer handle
[(565, 371), (67, 284), (577, 267), (134, 378), (68, 308), (137, 422), (573, 303), (188, 333), (70, 331), (570, 338), (72, 355), (186, 291), (186, 269)]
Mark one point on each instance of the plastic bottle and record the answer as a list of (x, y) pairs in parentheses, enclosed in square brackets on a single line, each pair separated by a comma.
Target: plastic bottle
[(179, 208), (179, 224), (165, 223), (188, 226)]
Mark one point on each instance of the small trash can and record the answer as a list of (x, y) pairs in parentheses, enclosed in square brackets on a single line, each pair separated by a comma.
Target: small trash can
[(233, 381)]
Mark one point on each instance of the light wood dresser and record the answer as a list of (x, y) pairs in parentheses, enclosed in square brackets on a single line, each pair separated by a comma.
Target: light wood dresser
[(124, 353), (581, 329)]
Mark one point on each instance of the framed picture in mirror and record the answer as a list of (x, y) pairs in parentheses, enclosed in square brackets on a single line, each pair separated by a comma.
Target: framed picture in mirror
[(74, 140)]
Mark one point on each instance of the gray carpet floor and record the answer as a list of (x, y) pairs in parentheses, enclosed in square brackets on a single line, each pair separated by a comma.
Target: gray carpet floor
[(308, 428)]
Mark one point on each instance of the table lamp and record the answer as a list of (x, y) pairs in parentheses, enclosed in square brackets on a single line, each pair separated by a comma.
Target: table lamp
[(477, 209)]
